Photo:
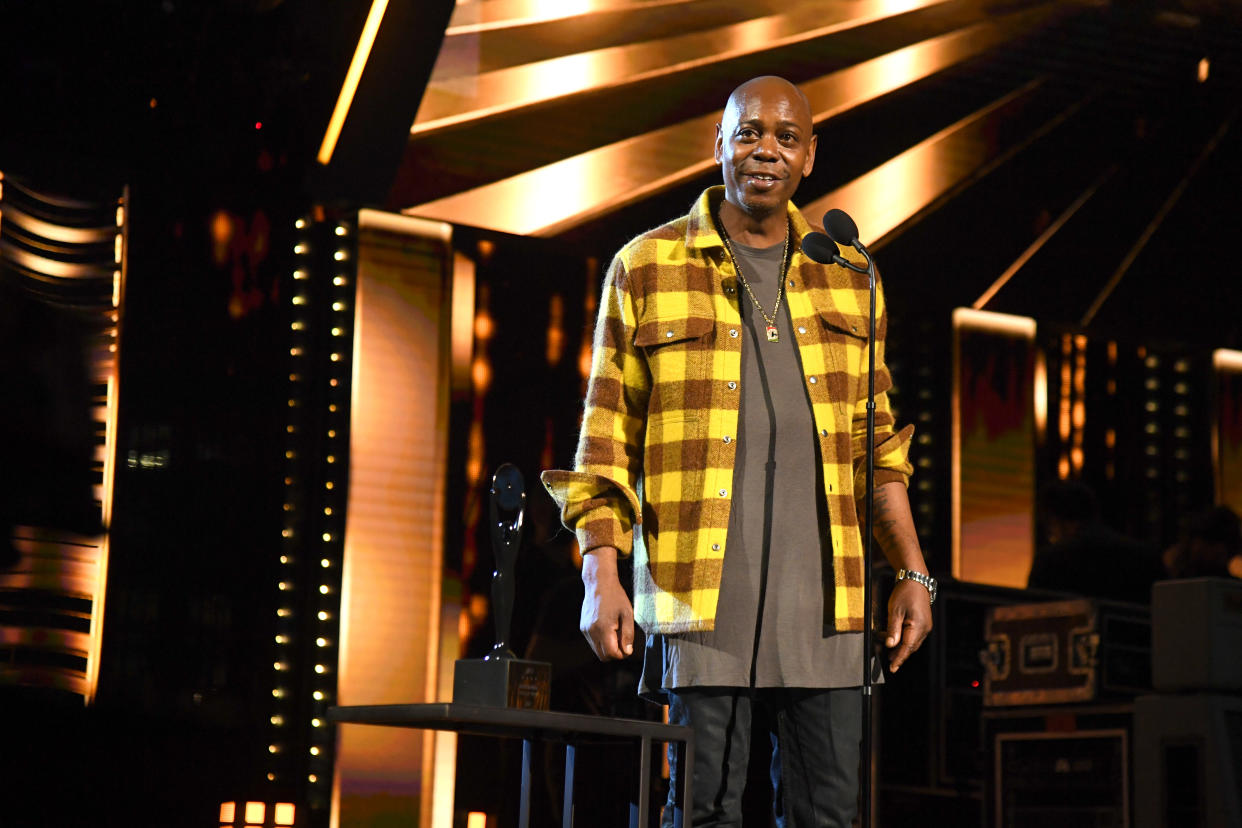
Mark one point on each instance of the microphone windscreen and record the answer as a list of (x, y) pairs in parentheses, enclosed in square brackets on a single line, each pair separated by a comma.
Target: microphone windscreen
[(840, 227), (819, 248)]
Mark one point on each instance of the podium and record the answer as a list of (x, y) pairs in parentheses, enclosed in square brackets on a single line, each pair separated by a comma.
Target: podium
[(528, 725)]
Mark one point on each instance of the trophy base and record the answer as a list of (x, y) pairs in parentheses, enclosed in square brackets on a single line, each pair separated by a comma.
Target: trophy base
[(502, 682)]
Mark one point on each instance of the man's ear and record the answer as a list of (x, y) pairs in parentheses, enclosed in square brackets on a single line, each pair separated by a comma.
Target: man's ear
[(719, 150), (810, 156)]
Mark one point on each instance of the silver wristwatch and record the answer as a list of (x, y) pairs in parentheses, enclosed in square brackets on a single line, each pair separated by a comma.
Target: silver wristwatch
[(918, 577)]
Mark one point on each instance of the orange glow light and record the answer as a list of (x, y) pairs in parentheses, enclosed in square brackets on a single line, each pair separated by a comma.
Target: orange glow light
[(1041, 396), (476, 819), (584, 360), (350, 87), (556, 329), (255, 812), (284, 813), (483, 325), (481, 373), (228, 812)]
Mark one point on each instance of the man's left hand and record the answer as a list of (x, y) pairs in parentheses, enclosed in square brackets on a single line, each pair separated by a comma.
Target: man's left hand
[(909, 620)]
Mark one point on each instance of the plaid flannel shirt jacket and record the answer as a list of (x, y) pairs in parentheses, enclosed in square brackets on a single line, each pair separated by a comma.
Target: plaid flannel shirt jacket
[(656, 450)]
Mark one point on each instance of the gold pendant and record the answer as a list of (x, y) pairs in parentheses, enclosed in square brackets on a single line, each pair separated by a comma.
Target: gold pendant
[(772, 334)]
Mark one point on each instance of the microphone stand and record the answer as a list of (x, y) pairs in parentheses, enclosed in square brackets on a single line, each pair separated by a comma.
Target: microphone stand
[(866, 782), (840, 225)]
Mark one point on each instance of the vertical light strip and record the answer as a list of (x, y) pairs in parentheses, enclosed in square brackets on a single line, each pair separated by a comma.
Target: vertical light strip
[(391, 602), (1227, 428), (343, 101), (109, 455), (991, 530)]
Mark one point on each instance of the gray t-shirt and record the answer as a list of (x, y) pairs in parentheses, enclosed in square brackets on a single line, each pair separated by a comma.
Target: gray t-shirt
[(790, 648)]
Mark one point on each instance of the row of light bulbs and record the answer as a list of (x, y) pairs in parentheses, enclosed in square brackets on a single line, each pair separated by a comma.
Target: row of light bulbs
[(331, 539)]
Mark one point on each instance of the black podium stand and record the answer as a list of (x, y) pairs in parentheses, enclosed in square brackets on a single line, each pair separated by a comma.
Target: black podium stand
[(528, 725)]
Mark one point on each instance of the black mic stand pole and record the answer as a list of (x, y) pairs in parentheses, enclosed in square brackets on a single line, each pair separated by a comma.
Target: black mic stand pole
[(866, 781)]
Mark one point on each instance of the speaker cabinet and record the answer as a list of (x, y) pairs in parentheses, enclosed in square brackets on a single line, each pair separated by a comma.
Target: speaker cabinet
[(1188, 761), (1066, 766)]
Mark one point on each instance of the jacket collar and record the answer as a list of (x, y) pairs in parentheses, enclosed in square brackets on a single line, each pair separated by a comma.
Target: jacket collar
[(701, 229)]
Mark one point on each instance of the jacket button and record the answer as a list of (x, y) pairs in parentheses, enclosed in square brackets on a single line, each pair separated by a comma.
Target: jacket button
[(732, 385), (823, 432), (669, 334), (715, 547), (813, 380), (724, 492), (733, 332), (728, 439), (791, 282), (801, 329)]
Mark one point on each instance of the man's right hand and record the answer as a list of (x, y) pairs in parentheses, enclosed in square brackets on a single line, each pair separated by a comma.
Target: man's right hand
[(607, 616)]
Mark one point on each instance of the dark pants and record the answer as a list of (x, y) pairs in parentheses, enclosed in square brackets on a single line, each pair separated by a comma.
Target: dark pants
[(815, 745)]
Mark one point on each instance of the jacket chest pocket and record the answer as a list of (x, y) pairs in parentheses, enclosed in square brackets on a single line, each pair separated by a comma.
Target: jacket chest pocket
[(845, 346), (679, 356)]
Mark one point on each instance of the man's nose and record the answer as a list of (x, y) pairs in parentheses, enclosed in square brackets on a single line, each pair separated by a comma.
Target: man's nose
[(767, 147)]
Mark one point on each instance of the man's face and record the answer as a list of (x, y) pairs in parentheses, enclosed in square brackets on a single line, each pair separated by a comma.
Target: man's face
[(765, 145)]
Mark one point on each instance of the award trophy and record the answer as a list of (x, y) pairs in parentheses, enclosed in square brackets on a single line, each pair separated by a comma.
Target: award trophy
[(501, 679)]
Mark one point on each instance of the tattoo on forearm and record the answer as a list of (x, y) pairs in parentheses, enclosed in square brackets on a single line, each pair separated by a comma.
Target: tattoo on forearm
[(885, 523), (888, 530)]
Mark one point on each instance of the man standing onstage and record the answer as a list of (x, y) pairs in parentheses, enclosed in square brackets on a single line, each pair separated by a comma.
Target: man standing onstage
[(725, 425)]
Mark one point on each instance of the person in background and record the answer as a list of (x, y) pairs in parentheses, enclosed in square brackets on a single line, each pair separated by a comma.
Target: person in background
[(1211, 546), (1083, 555)]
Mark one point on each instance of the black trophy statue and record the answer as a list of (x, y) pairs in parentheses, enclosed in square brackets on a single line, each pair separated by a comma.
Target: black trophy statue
[(500, 678)]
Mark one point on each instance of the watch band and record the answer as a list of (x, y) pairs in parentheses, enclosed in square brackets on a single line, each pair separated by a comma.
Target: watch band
[(918, 577)]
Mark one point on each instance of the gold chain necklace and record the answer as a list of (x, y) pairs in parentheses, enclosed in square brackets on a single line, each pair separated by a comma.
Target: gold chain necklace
[(773, 336)]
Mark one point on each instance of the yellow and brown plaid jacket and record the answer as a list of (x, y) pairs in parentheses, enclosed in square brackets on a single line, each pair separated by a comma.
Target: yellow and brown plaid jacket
[(655, 449)]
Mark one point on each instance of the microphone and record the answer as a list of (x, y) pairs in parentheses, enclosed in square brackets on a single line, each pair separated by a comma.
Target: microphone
[(841, 228), (820, 248)]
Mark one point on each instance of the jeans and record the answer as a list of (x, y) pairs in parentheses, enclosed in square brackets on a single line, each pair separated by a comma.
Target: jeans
[(815, 752)]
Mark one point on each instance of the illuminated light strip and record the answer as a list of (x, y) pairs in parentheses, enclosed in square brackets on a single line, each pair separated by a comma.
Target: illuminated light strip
[(343, 101), (969, 318), (991, 321), (109, 469), (1228, 360), (49, 270), (1223, 362), (378, 326), (59, 232)]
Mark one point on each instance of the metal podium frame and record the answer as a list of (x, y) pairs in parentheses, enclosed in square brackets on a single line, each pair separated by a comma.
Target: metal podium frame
[(529, 725)]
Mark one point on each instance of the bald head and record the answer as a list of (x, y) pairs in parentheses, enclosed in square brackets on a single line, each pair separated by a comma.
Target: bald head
[(765, 145), (767, 87)]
